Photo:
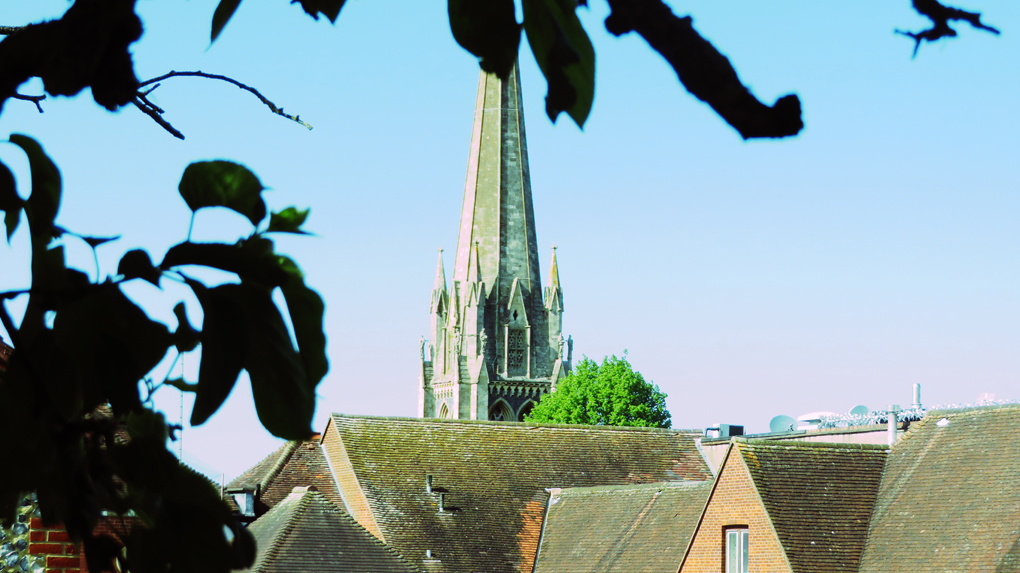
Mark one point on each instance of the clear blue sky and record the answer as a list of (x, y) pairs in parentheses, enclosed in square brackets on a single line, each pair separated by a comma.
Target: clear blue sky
[(747, 279)]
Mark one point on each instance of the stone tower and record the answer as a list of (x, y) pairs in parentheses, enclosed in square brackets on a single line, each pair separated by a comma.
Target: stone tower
[(496, 343)]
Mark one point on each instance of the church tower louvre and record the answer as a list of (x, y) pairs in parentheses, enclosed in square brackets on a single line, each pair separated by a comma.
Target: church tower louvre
[(496, 339)]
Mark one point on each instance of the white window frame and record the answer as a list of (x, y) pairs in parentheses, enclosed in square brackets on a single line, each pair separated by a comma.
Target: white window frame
[(736, 549)]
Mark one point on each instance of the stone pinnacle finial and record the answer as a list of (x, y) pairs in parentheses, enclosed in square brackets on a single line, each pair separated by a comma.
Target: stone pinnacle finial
[(554, 271), (440, 283)]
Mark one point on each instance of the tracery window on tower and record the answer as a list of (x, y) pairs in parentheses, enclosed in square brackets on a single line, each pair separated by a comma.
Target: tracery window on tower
[(444, 412), (517, 351)]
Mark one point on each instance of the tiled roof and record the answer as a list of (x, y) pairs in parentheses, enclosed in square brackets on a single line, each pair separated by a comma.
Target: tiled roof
[(305, 532), (294, 464), (494, 478), (624, 529), (950, 496), (819, 497)]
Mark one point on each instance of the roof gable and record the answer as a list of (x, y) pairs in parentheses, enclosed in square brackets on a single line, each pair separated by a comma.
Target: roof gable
[(625, 529), (306, 532), (733, 503), (950, 496), (819, 498), (292, 465), (493, 479)]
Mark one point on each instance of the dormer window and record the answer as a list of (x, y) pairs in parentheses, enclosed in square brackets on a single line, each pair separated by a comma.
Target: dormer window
[(245, 501)]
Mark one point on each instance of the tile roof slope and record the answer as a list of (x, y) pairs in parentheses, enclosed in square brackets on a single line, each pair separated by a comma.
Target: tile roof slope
[(950, 496), (819, 498), (293, 464), (494, 475), (305, 532), (621, 529)]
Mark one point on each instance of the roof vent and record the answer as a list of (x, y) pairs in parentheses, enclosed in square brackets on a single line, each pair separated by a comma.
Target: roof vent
[(442, 503), (942, 423), (724, 431), (428, 484)]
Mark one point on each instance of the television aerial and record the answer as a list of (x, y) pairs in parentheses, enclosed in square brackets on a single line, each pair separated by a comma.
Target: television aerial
[(860, 411), (781, 424)]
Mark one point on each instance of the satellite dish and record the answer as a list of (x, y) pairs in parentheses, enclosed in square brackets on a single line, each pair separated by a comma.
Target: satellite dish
[(781, 424), (859, 411)]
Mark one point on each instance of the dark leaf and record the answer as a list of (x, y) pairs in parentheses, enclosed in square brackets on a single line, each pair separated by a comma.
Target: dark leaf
[(186, 338), (44, 202), (565, 55), (224, 343), (96, 241), (306, 315), (328, 8), (488, 29), (242, 549), (87, 47), (101, 553), (287, 221), (221, 16), (10, 201), (242, 259), (136, 264), (223, 184), (284, 399), (112, 343)]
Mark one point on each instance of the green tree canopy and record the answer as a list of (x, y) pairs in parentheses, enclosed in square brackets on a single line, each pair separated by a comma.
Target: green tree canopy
[(610, 394)]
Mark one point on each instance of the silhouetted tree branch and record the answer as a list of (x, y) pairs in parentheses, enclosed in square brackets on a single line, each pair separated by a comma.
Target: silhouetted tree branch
[(33, 99), (705, 72), (940, 16), (142, 102)]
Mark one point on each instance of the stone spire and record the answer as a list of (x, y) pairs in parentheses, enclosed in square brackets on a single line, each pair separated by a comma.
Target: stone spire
[(497, 339), (497, 212)]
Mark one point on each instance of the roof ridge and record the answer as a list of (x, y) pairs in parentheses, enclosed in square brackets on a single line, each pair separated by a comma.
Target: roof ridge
[(661, 485), (796, 444), (277, 467), (671, 431), (285, 531)]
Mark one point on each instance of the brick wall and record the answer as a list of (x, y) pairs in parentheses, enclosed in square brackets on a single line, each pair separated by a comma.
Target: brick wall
[(54, 549), (735, 502)]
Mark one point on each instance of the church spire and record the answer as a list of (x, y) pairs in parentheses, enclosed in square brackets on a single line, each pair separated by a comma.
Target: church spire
[(497, 213), (498, 346)]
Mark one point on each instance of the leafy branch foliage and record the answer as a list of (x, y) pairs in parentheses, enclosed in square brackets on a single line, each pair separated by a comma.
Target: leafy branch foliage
[(86, 439), (610, 394)]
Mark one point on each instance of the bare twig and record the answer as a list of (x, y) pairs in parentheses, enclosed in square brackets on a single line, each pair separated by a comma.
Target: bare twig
[(157, 118), (173, 74), (8, 30), (33, 99), (940, 16)]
